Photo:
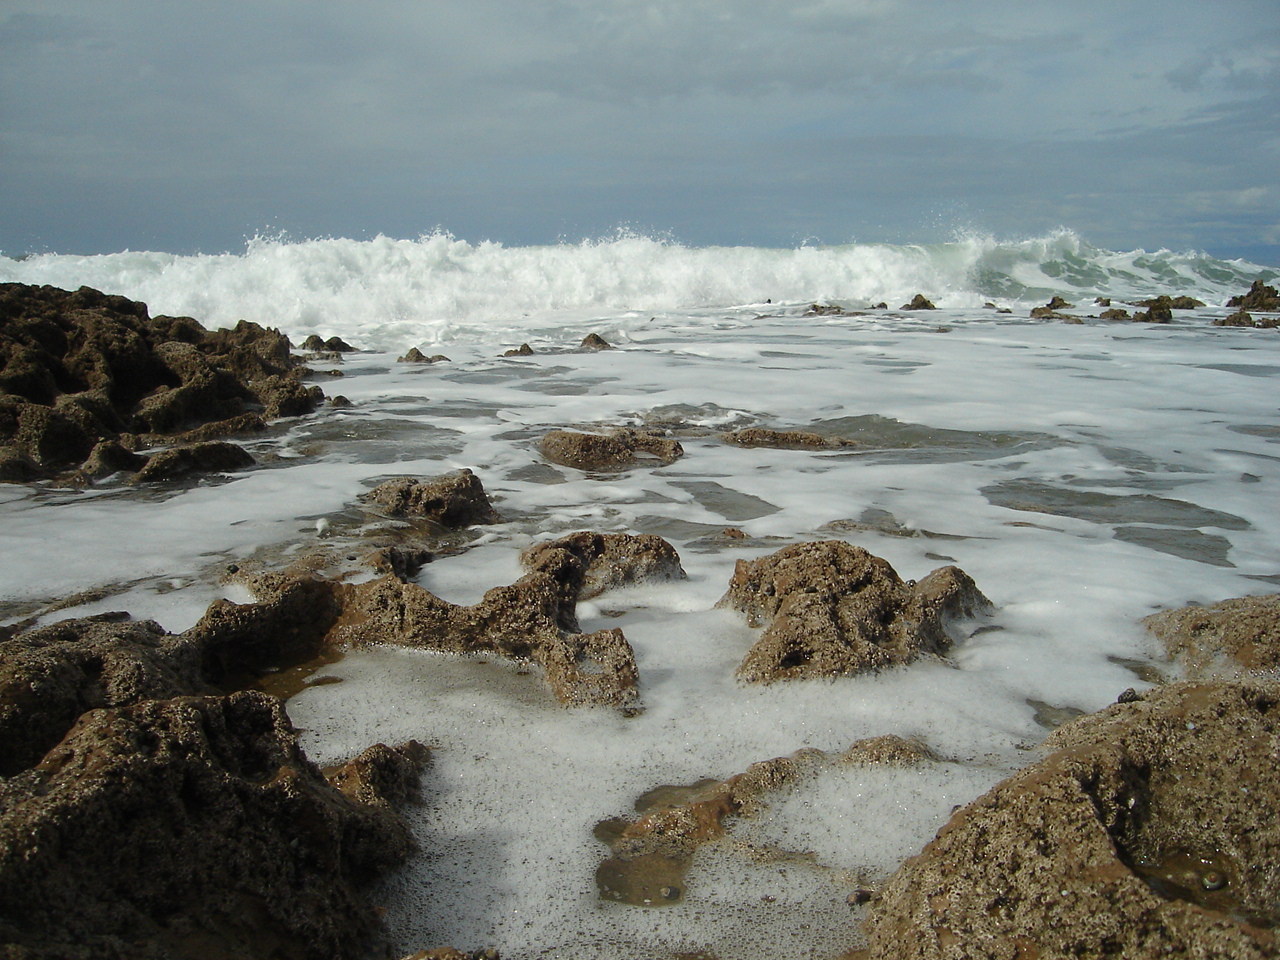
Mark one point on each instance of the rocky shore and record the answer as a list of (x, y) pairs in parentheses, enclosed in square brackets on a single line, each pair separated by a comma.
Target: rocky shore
[(155, 801)]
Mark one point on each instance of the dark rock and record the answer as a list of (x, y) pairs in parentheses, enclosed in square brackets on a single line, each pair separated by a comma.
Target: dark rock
[(524, 350), (610, 560), (593, 342), (1057, 303), (1166, 302), (918, 302), (245, 425), (402, 560), (824, 310), (832, 609), (51, 675), (1242, 319), (1227, 639), (1260, 297), (1152, 830), (1115, 313), (338, 345), (340, 402), (417, 356), (1160, 313), (188, 827), (619, 450), (1048, 313), (1103, 301), (313, 343), (213, 456), (785, 439), (453, 501), (111, 456)]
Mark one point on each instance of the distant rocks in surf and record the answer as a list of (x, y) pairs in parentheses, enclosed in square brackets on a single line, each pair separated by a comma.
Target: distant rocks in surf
[(1158, 310), (1261, 296), (1151, 827), (621, 449), (82, 369), (1241, 318), (593, 343), (417, 356), (832, 609), (919, 302)]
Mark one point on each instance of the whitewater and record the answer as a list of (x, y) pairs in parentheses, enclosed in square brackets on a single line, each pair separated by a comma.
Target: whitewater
[(1084, 474)]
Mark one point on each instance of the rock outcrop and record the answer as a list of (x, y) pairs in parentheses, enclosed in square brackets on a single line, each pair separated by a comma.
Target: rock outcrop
[(1242, 318), (1151, 830), (609, 560), (1227, 639), (919, 302), (81, 369), (1261, 296), (622, 449), (192, 826), (452, 501), (832, 609)]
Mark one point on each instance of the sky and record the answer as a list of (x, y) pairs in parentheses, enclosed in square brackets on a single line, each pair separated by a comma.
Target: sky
[(191, 127)]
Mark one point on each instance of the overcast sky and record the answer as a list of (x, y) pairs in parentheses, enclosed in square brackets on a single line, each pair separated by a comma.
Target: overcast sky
[(189, 126)]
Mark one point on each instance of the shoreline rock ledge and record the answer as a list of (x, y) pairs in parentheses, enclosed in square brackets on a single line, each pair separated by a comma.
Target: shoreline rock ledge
[(1151, 830)]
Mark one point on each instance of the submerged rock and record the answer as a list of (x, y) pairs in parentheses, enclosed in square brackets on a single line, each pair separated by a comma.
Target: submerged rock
[(214, 456), (620, 450), (831, 609), (785, 439), (189, 827), (453, 501), (610, 560), (1152, 830), (1226, 639)]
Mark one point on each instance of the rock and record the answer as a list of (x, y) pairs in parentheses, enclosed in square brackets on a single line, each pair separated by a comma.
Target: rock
[(832, 609), (619, 450), (524, 350), (1160, 313), (1227, 639), (918, 302), (1242, 319), (417, 356), (245, 425), (451, 953), (1166, 302), (1057, 303), (196, 827), (824, 310), (51, 675), (1260, 297), (532, 620), (80, 368), (1151, 830), (785, 439), (332, 345), (593, 342), (453, 501), (401, 560), (1115, 313), (1048, 313), (610, 560), (1102, 301), (215, 456)]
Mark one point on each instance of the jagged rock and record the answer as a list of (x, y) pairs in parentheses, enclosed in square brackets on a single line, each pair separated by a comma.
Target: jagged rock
[(1159, 313), (1242, 319), (610, 560), (524, 350), (832, 609), (1166, 302), (785, 439), (214, 456), (1057, 303), (1151, 830), (402, 560), (1223, 640), (49, 676), (593, 342), (245, 425), (619, 450), (918, 302), (1115, 313), (417, 356), (452, 953), (1048, 313), (533, 619), (454, 501), (332, 345), (824, 310), (1261, 296), (80, 368), (110, 456), (193, 826)]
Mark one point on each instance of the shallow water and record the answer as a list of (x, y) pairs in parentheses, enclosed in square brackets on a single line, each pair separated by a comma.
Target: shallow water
[(1083, 475)]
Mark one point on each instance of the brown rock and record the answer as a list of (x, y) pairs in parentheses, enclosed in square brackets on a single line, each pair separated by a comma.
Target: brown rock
[(1153, 830), (524, 350), (1227, 639), (453, 501), (611, 560), (1261, 296), (417, 356), (401, 560), (110, 456), (1166, 302), (1115, 313), (196, 827), (785, 439), (1242, 319), (619, 450), (1048, 313), (593, 342), (918, 302), (215, 456), (832, 609)]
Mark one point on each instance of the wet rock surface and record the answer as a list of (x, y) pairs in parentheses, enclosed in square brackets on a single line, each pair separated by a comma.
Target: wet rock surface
[(452, 501), (197, 827), (785, 439), (83, 368), (609, 560), (832, 609), (1225, 639), (620, 450), (1261, 296), (1151, 830)]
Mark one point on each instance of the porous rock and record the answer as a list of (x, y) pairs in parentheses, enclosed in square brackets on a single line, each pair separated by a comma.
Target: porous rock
[(785, 439), (212, 456), (455, 500), (832, 609), (1226, 639), (610, 560), (1151, 830), (187, 827), (1261, 296), (619, 450), (1242, 318)]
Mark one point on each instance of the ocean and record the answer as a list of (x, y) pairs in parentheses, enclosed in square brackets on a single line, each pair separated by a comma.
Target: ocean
[(1084, 474)]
